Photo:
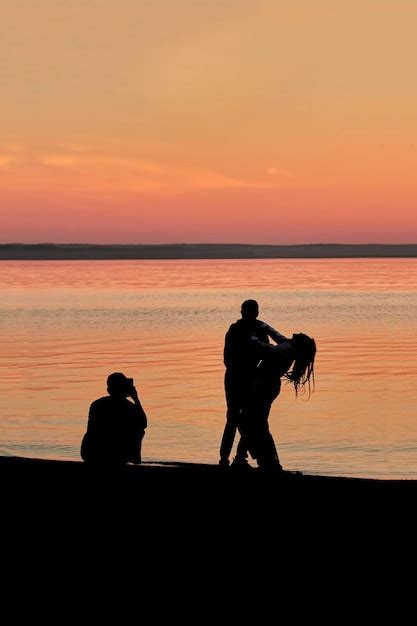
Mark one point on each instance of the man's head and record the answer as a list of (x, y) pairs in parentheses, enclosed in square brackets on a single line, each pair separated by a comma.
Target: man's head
[(249, 310), (119, 385)]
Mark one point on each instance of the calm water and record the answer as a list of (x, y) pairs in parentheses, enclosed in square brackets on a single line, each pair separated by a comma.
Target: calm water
[(64, 326)]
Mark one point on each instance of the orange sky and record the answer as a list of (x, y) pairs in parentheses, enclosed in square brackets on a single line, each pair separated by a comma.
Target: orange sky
[(267, 121)]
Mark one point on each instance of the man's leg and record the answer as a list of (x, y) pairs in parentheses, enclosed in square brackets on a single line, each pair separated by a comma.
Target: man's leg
[(233, 394), (242, 450), (227, 442)]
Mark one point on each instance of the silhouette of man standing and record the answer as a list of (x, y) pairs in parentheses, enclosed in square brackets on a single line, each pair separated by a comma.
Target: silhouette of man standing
[(241, 363), (116, 425)]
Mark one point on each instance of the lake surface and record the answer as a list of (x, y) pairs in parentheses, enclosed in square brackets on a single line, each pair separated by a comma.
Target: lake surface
[(65, 325)]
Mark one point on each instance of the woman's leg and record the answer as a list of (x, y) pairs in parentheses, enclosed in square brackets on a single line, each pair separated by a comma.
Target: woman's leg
[(261, 442), (268, 457)]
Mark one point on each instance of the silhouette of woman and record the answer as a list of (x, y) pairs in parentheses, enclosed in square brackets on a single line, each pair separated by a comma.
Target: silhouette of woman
[(276, 361)]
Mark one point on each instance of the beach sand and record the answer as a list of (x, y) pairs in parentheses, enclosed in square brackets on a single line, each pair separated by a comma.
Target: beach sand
[(161, 522), (185, 486)]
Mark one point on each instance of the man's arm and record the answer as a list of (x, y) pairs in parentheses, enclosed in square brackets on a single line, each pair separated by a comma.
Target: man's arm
[(274, 334), (230, 346), (263, 349)]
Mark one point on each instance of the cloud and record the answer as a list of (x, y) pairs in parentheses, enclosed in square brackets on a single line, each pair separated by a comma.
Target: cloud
[(139, 174), (11, 154), (89, 166), (276, 171), (59, 160), (6, 160)]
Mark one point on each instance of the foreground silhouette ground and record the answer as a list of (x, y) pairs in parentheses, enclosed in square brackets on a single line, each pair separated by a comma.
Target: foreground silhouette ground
[(188, 487), (195, 530)]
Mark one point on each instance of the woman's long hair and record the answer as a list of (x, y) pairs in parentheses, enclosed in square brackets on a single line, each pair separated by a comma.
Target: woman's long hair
[(302, 373)]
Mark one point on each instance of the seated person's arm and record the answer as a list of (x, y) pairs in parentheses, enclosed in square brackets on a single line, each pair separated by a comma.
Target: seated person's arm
[(141, 413)]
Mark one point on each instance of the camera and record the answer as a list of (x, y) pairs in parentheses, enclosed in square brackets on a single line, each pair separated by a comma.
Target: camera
[(129, 384)]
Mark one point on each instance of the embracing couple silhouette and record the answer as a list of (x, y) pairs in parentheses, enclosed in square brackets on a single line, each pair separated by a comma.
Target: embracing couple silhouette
[(254, 368)]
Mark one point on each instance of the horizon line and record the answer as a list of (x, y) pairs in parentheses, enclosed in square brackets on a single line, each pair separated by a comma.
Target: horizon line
[(190, 251)]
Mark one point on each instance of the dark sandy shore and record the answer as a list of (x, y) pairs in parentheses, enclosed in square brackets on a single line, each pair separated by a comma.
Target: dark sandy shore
[(159, 517), (188, 483)]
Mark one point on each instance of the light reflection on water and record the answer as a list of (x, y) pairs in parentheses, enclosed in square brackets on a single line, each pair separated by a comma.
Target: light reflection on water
[(64, 326)]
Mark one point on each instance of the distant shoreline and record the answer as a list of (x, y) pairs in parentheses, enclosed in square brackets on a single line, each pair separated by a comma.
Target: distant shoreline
[(49, 252)]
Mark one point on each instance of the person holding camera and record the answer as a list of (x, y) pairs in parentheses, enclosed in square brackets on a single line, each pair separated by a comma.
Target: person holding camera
[(116, 426)]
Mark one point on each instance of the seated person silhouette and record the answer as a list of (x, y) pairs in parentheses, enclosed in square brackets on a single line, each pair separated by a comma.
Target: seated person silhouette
[(116, 425), (276, 361)]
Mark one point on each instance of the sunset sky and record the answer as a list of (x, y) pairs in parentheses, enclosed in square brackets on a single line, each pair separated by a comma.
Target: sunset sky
[(255, 121)]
